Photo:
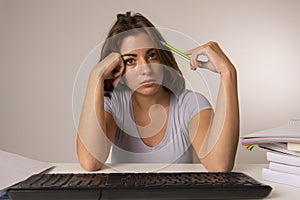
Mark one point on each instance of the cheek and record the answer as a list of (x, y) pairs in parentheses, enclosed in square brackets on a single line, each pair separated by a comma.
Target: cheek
[(159, 74), (130, 77)]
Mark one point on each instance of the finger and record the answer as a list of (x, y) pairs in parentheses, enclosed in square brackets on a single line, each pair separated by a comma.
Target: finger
[(115, 69), (189, 52), (202, 58), (194, 62), (197, 57), (121, 70), (113, 63), (116, 81), (209, 65)]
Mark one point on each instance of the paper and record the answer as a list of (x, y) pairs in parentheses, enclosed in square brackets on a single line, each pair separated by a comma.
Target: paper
[(15, 168), (289, 133), (283, 158), (280, 177)]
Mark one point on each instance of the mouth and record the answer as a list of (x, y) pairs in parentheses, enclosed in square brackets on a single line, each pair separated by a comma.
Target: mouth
[(148, 83)]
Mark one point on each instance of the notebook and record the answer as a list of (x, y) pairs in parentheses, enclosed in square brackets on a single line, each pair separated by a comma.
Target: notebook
[(288, 133)]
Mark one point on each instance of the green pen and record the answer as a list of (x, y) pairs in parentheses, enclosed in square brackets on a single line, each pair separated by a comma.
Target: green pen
[(201, 58), (176, 50)]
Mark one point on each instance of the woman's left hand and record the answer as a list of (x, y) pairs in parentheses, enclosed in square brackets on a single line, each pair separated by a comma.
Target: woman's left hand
[(217, 60)]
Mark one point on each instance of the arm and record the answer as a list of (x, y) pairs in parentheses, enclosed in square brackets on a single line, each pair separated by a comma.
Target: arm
[(221, 131), (96, 127)]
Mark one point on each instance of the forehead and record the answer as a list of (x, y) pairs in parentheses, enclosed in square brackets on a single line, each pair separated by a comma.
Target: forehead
[(136, 42)]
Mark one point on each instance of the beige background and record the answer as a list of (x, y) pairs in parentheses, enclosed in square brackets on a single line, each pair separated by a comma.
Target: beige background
[(44, 42)]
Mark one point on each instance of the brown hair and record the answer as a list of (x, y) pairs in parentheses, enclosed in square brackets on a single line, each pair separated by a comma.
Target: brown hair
[(128, 24)]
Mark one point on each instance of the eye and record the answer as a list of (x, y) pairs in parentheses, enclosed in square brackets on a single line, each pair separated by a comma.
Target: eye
[(129, 62), (152, 56)]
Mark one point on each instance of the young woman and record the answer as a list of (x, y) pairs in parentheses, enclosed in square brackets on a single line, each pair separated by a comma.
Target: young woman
[(136, 103)]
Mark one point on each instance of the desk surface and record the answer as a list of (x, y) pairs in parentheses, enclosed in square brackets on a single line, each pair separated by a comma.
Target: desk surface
[(280, 191)]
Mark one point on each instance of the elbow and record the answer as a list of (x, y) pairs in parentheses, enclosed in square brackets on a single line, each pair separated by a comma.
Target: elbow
[(91, 166), (220, 168), (219, 165), (89, 163), (86, 160)]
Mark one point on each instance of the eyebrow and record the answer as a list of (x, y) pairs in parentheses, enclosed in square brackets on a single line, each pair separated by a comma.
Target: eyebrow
[(135, 55)]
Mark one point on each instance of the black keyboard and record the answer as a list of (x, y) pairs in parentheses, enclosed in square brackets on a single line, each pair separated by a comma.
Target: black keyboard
[(191, 185)]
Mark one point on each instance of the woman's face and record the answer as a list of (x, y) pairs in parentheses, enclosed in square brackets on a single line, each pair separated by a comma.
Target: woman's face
[(143, 71)]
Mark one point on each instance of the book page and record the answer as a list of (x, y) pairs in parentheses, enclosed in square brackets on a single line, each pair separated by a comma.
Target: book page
[(15, 168)]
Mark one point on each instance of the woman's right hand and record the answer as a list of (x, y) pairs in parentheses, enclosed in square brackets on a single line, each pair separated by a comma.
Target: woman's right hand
[(111, 67), (217, 60)]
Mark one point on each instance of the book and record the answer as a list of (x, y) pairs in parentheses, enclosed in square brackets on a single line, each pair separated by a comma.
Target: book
[(281, 177), (291, 169), (287, 133), (283, 158), (278, 147), (293, 146)]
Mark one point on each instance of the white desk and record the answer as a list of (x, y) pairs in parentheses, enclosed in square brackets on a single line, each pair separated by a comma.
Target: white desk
[(279, 192)]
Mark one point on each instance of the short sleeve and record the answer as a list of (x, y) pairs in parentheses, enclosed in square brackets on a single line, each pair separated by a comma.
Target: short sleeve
[(108, 104), (191, 103)]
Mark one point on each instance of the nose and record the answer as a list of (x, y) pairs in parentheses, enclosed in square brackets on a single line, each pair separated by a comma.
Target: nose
[(144, 66)]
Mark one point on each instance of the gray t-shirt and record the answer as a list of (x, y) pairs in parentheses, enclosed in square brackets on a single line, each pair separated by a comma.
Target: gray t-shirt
[(175, 146)]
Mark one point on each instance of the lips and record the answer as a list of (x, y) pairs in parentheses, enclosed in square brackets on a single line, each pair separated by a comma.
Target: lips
[(148, 83)]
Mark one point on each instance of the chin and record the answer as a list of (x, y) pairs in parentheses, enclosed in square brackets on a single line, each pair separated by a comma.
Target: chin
[(150, 90)]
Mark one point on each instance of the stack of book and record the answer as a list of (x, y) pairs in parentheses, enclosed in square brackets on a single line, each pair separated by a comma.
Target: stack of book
[(283, 152), (283, 168)]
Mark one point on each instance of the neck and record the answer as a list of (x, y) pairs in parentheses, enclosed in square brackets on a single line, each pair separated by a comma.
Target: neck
[(144, 102)]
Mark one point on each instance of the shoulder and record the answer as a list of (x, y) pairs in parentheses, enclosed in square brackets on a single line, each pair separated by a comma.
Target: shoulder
[(116, 100), (118, 96), (188, 96), (190, 103)]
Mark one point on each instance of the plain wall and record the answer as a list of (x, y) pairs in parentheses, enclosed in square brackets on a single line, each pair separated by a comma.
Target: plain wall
[(43, 43)]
